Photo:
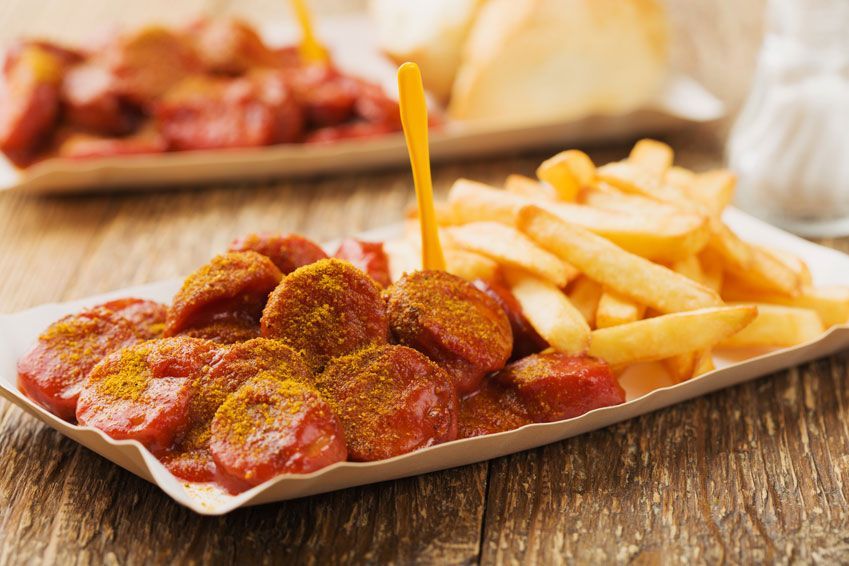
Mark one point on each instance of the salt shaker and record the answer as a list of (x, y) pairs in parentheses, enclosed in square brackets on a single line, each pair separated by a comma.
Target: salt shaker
[(790, 144)]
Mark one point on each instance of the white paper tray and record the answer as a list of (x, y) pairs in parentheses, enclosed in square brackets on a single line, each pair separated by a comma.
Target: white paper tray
[(19, 331), (682, 101)]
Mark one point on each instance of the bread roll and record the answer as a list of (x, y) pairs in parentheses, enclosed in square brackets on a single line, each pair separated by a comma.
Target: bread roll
[(545, 60), (430, 32)]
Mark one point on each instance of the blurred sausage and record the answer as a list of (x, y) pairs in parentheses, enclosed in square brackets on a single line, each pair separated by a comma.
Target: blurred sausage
[(92, 101), (326, 309), (456, 325), (230, 283), (213, 113), (327, 97), (391, 400), (556, 386), (368, 257), (287, 251), (29, 102), (231, 46), (148, 62)]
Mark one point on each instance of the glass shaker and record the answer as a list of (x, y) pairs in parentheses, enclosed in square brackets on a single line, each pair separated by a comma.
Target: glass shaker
[(790, 144)]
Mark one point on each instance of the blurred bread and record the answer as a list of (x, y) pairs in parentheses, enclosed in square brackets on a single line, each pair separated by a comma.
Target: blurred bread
[(542, 60), (430, 32), (530, 60)]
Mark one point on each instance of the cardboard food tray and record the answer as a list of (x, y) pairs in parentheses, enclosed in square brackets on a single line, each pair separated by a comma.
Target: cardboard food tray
[(648, 388), (682, 101)]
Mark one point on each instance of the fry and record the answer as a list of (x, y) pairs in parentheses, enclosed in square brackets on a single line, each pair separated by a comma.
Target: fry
[(522, 186), (405, 256), (713, 189), (830, 303), (690, 268), (712, 271), (610, 198), (567, 172), (680, 177), (549, 312), (508, 246), (777, 326), (659, 237), (629, 178), (653, 157), (794, 263), (669, 335), (754, 266), (584, 294), (686, 366), (470, 265), (634, 277), (614, 309)]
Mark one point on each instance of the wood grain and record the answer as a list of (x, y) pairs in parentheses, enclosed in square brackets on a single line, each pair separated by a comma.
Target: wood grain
[(756, 473)]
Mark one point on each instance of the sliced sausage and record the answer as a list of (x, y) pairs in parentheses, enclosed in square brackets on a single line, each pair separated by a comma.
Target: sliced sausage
[(143, 392), (456, 325), (366, 256), (52, 373), (391, 400), (287, 251), (326, 309), (556, 386), (233, 282), (271, 427)]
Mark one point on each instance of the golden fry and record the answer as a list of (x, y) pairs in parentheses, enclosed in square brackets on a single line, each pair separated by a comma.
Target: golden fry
[(549, 312), (567, 172), (614, 309), (777, 326), (634, 277), (508, 246), (653, 157), (526, 187), (584, 294), (658, 237), (669, 335), (830, 303)]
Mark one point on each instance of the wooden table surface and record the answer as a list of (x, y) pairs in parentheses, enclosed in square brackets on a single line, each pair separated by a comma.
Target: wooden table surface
[(758, 472)]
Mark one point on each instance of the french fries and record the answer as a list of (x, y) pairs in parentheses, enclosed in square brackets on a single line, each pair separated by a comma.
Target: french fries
[(830, 303), (584, 294), (777, 326), (630, 261), (669, 335), (522, 186), (549, 312), (634, 277), (661, 237), (652, 156), (614, 309), (567, 172), (405, 256), (508, 246)]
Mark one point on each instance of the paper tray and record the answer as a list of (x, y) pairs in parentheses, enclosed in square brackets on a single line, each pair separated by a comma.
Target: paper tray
[(18, 332), (682, 101)]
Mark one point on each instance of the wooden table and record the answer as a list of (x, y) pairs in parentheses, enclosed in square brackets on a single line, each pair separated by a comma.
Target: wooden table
[(759, 472)]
